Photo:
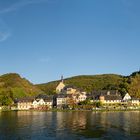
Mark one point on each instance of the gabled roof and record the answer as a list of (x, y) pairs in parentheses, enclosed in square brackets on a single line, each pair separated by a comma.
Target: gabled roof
[(127, 97)]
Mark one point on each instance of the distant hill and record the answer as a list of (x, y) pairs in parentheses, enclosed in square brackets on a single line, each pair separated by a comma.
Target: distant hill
[(87, 83), (14, 86)]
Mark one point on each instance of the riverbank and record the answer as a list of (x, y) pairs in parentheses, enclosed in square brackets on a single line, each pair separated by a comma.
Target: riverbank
[(69, 110)]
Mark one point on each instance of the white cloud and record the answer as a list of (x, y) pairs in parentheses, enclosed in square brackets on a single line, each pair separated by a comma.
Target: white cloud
[(19, 4), (4, 31), (4, 36)]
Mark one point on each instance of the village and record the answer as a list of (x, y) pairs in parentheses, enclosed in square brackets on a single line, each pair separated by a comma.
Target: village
[(68, 97)]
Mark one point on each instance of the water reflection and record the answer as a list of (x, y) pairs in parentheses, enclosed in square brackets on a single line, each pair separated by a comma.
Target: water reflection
[(24, 125)]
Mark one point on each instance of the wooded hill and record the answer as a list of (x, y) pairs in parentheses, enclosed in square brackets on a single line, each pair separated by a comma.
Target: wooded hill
[(14, 86), (88, 83)]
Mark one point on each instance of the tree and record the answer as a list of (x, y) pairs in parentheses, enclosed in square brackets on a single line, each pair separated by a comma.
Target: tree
[(71, 102), (86, 102), (124, 86), (134, 88), (99, 104), (5, 100)]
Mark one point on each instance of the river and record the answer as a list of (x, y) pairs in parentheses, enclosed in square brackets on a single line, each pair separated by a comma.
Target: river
[(26, 125)]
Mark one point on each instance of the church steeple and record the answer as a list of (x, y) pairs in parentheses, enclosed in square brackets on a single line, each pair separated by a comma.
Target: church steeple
[(62, 79)]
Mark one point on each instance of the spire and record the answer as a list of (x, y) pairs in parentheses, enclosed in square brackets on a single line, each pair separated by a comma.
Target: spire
[(62, 80)]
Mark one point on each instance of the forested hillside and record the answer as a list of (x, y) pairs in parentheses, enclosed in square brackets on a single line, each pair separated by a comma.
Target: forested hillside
[(13, 86), (134, 84), (130, 84), (87, 83)]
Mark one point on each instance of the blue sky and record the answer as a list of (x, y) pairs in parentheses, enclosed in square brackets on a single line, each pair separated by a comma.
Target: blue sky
[(44, 39)]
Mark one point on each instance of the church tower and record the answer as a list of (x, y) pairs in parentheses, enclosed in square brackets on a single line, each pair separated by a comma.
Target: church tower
[(60, 86)]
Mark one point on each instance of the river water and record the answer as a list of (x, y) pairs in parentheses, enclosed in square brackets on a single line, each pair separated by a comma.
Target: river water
[(26, 125)]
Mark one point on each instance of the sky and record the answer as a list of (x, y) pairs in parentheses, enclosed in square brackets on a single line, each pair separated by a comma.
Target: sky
[(44, 39)]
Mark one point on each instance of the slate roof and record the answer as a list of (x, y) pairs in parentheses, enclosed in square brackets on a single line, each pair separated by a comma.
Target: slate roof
[(73, 87), (45, 97), (90, 96), (108, 94), (104, 92), (25, 99), (61, 96), (113, 97), (133, 98), (70, 86)]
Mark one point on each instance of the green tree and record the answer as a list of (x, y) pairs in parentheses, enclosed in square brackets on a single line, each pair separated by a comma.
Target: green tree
[(134, 88), (124, 86), (99, 104), (5, 100)]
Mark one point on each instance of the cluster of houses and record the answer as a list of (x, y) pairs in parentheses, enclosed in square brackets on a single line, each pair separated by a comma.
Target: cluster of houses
[(69, 95), (41, 102)]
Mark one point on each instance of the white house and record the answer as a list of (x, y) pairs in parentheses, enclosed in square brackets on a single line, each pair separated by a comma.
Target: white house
[(38, 103), (35, 104), (61, 100), (49, 103), (43, 100), (24, 103), (127, 97), (82, 97), (135, 101)]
